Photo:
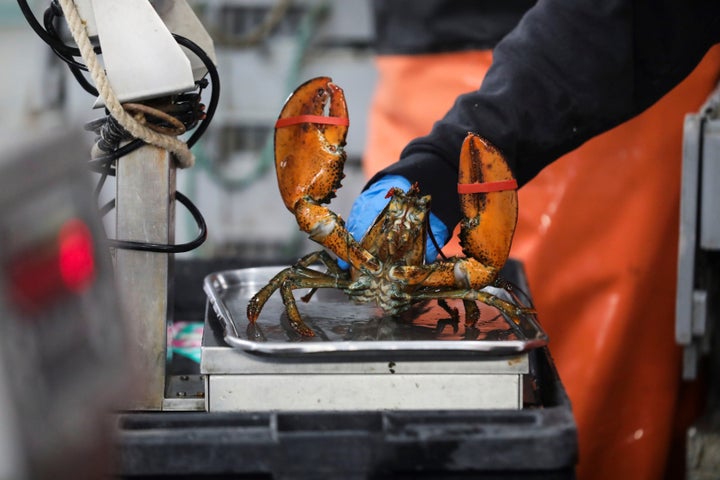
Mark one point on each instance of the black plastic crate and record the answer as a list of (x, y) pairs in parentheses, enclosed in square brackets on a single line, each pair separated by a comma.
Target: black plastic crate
[(538, 441)]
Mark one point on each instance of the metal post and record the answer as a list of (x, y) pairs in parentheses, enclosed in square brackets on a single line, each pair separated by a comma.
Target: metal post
[(146, 213)]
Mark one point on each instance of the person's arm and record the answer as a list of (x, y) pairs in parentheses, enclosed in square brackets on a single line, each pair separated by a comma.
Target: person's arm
[(569, 71)]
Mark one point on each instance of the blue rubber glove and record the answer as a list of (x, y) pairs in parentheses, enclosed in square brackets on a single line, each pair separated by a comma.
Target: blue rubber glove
[(372, 201)]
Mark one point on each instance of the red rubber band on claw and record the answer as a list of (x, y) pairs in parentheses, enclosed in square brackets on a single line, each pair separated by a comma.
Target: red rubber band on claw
[(321, 119), (487, 187)]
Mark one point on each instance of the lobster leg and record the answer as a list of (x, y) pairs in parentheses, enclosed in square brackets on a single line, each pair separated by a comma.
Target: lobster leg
[(472, 312), (298, 276), (453, 320), (513, 312)]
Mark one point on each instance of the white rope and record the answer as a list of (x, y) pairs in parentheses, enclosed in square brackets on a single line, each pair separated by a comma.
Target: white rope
[(183, 154)]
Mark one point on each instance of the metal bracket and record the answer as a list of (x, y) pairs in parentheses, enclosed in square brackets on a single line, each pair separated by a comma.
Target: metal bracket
[(699, 241), (141, 58)]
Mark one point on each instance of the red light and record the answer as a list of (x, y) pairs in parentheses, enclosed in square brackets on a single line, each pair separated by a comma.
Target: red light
[(75, 255), (52, 267)]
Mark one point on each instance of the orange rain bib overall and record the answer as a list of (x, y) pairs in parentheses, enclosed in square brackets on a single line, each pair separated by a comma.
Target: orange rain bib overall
[(598, 235)]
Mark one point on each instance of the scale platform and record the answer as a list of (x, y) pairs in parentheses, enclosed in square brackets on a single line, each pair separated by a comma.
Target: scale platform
[(360, 359)]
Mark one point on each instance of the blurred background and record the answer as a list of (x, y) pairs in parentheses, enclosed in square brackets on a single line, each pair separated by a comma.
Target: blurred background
[(264, 49)]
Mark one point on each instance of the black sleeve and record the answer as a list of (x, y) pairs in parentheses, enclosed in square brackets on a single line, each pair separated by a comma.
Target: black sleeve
[(569, 71), (410, 27)]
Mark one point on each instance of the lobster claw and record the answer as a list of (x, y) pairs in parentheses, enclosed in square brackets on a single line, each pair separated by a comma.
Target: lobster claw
[(488, 199), (309, 159), (309, 139)]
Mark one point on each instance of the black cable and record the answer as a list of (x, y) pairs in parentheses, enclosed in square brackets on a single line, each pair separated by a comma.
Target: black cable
[(215, 80), (111, 133), (53, 42), (37, 28), (84, 83), (100, 184), (105, 167), (66, 52), (161, 247), (106, 171), (99, 164), (52, 39)]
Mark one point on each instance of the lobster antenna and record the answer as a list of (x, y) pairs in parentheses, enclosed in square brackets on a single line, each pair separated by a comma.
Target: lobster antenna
[(433, 239), (513, 290)]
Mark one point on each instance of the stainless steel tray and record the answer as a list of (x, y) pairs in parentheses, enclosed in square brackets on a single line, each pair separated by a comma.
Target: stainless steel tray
[(343, 327)]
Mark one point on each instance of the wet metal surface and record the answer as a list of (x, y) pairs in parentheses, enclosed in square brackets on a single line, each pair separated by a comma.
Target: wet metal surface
[(343, 327)]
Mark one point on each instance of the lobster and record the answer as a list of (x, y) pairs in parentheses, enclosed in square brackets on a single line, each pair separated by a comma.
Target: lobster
[(387, 266)]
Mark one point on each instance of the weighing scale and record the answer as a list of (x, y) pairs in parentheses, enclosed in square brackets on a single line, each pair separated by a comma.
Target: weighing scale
[(360, 358)]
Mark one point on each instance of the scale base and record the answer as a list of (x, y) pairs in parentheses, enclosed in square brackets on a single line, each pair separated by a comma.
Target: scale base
[(237, 381)]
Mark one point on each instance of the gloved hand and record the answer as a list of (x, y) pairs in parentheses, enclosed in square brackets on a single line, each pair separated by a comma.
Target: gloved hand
[(372, 201)]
